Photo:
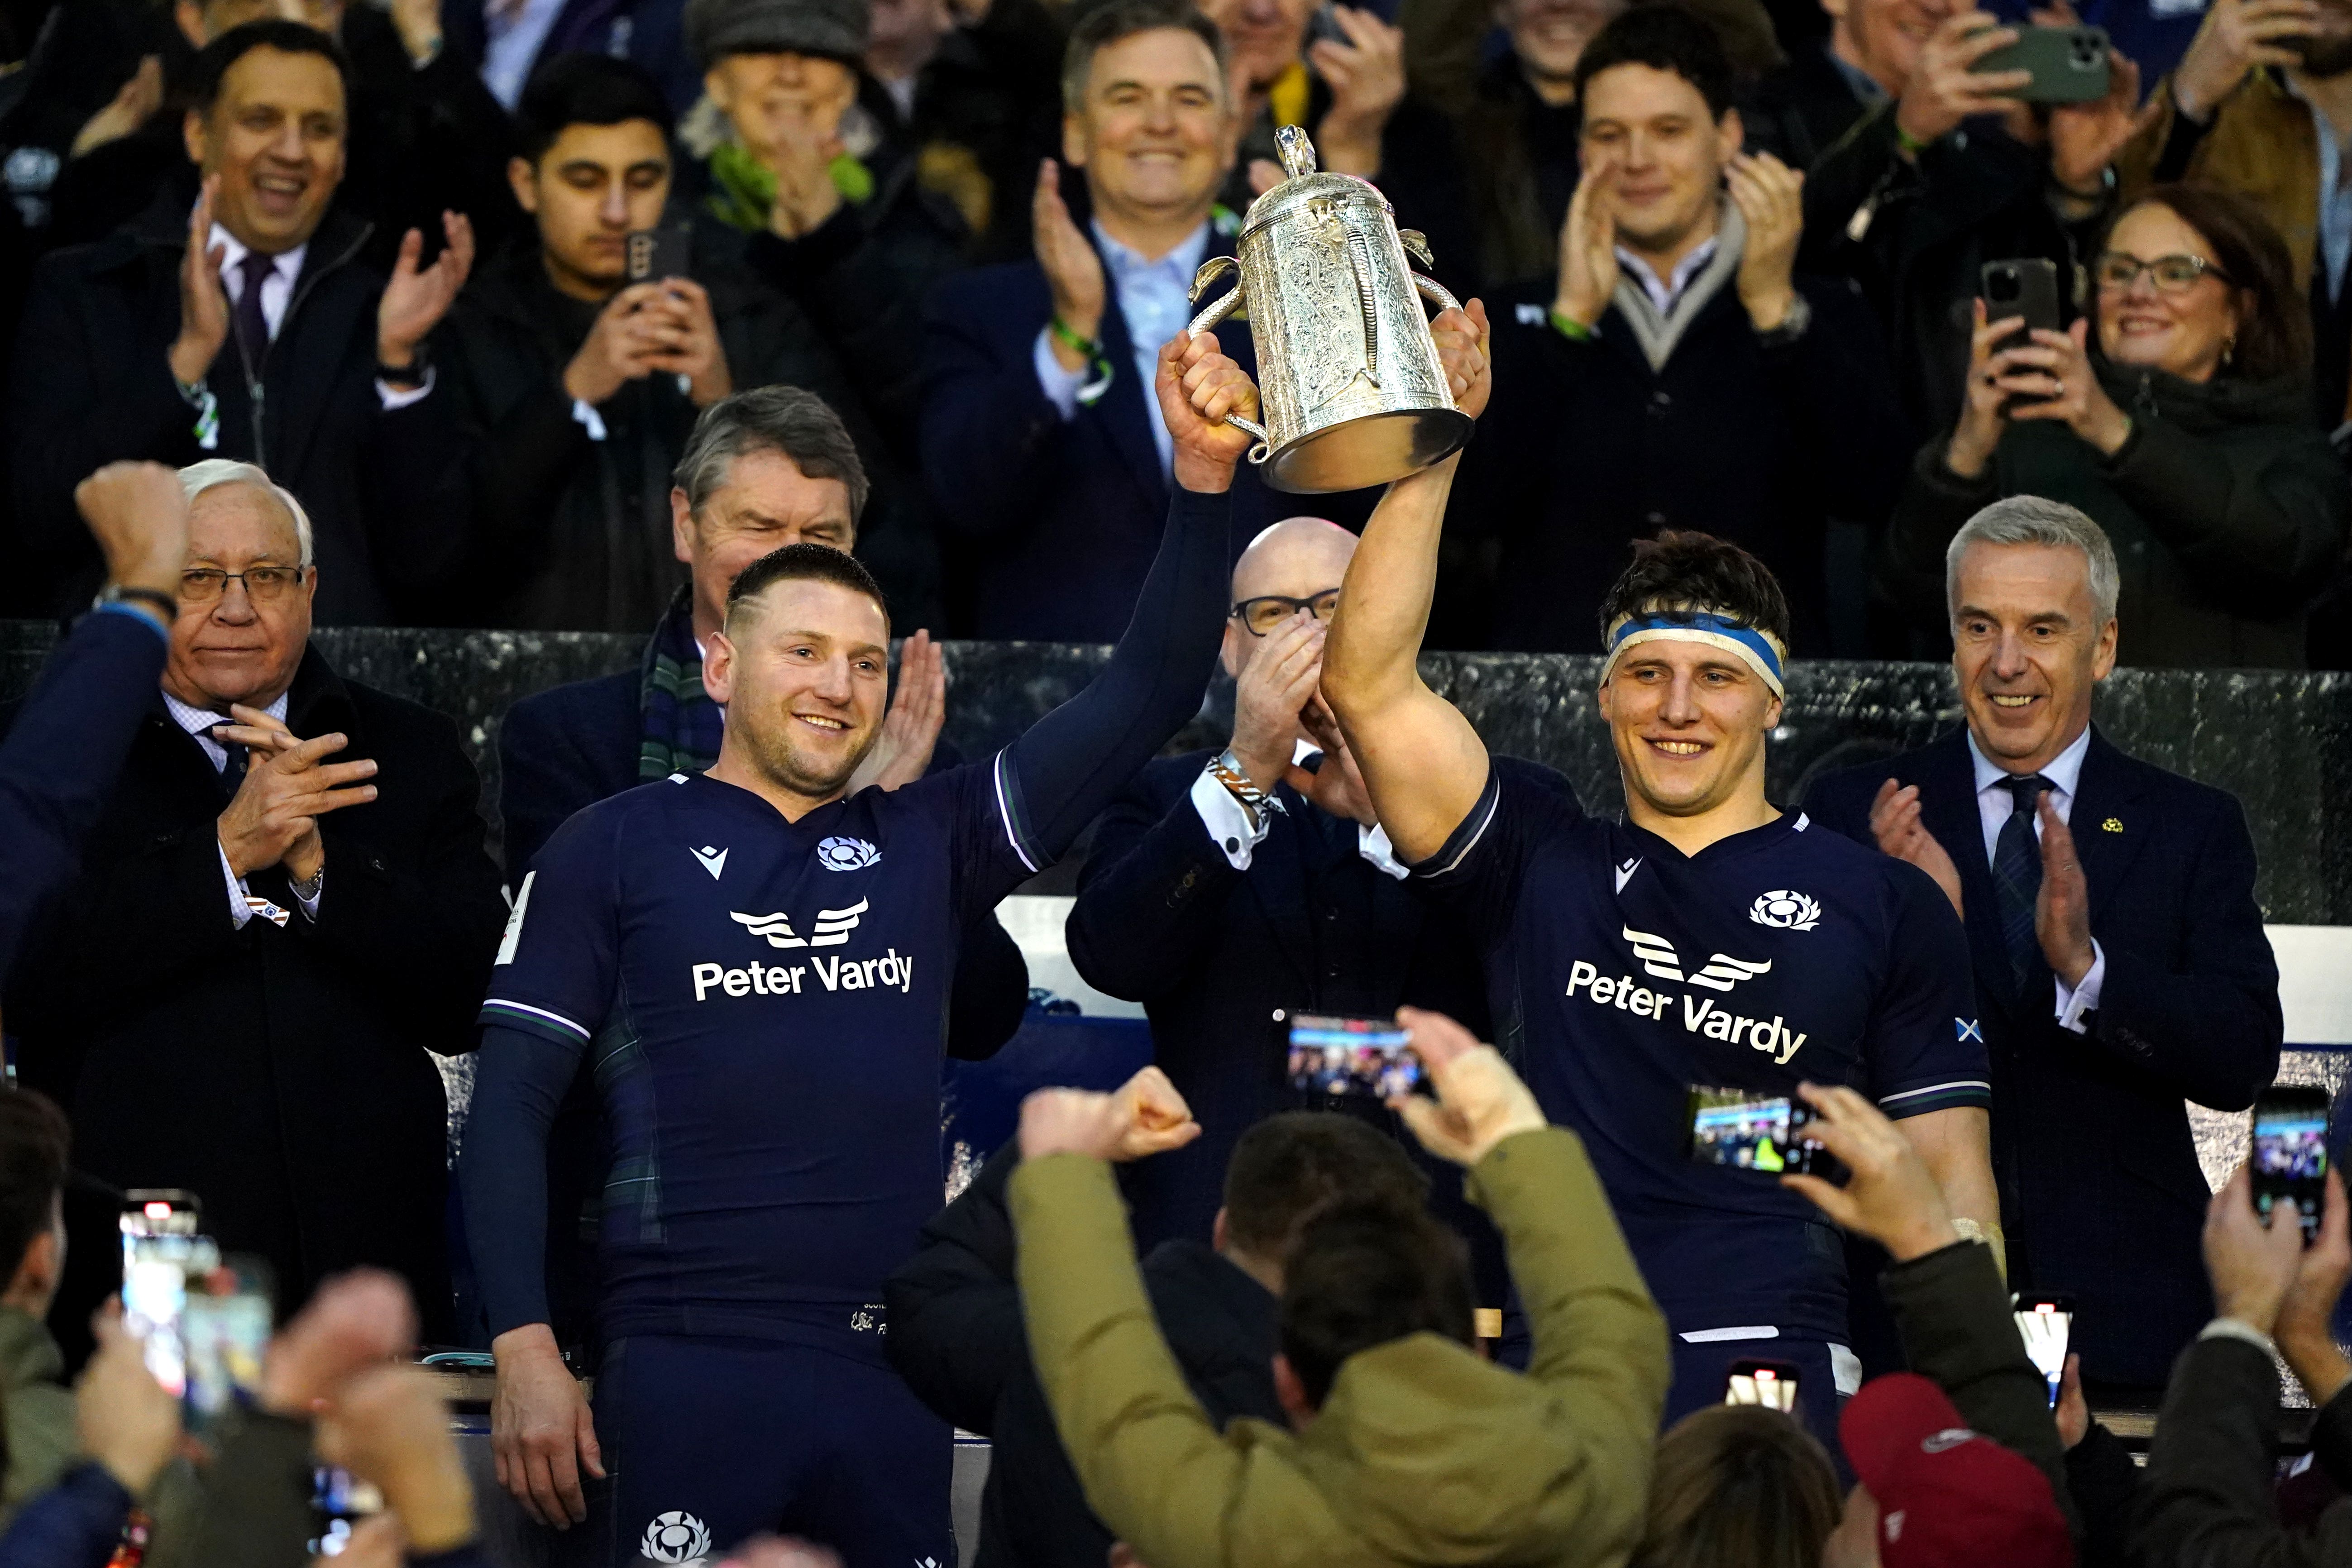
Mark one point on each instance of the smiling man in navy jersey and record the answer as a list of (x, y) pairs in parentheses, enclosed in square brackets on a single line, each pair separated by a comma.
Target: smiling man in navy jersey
[(757, 964), (1708, 939)]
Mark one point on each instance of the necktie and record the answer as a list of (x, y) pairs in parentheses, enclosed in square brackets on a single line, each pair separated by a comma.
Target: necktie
[(232, 773), (2017, 875), (252, 325)]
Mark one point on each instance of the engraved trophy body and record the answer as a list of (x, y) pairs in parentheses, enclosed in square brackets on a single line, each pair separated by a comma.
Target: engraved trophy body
[(1349, 383)]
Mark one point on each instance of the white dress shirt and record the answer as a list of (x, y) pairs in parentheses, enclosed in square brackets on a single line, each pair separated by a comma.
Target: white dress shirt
[(1228, 822), (512, 36), (277, 293), (242, 902), (1994, 806), (1153, 297)]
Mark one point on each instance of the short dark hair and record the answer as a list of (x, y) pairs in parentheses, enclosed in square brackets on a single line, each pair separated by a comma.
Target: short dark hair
[(583, 89), (1666, 38), (2273, 317), (787, 419), (35, 1140), (1682, 569), (1289, 1168), (213, 60), (807, 563), (1119, 20), (1364, 1274)]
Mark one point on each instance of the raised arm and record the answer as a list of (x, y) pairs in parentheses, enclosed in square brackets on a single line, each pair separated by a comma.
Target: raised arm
[(1423, 763), (1070, 764)]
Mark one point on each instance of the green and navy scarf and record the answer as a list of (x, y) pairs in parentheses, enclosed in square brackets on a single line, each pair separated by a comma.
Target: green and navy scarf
[(679, 728)]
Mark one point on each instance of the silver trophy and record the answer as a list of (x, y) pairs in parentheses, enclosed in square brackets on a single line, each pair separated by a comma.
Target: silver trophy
[(1349, 380)]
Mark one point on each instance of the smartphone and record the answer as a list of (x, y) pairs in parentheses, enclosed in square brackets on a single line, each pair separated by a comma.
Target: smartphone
[(1371, 1057), (160, 1249), (2289, 1154), (1771, 1383), (1752, 1129), (225, 1324), (2046, 1324), (658, 253), (1323, 25), (2025, 289), (2070, 65), (339, 1502)]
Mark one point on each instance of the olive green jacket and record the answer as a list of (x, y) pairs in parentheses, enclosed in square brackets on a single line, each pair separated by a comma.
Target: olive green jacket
[(39, 1411), (1424, 1453)]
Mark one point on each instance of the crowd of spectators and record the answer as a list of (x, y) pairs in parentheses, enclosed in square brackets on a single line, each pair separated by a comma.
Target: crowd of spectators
[(1733, 254), (328, 314)]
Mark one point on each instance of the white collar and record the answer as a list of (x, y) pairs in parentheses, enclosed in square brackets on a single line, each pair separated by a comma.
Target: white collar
[(1124, 261), (2064, 772), (1667, 290), (198, 721), (289, 263)]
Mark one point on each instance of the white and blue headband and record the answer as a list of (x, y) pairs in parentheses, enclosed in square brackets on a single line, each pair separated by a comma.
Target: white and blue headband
[(1760, 650)]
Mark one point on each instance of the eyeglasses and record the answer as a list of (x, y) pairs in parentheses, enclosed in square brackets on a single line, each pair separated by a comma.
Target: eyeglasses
[(263, 585), (2173, 274), (1267, 611)]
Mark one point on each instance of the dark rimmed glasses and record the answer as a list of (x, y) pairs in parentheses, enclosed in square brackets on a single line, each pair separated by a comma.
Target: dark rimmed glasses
[(263, 585), (1267, 611)]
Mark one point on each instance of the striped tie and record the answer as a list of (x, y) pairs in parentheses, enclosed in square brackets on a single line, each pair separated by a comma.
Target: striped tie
[(2017, 876)]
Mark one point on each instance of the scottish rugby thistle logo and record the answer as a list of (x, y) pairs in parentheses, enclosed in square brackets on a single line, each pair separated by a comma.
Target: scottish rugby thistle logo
[(675, 1537), (1785, 910), (846, 855)]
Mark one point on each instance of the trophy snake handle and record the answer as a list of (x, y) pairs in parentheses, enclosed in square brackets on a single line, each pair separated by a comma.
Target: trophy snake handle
[(1435, 293), (1360, 261), (1217, 312)]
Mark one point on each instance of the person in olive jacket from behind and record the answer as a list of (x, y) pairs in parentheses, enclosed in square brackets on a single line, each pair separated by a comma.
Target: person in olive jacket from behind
[(2177, 415)]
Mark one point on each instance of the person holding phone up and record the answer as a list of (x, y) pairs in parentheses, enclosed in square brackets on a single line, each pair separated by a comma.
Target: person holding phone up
[(2176, 416)]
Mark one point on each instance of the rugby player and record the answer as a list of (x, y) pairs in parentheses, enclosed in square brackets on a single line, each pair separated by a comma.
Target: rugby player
[(1708, 939), (757, 965)]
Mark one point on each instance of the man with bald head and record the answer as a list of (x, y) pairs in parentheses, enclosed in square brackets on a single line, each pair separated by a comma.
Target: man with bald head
[(285, 906), (1229, 891)]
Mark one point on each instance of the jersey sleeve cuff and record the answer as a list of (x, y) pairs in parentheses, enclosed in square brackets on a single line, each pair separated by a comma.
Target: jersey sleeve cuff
[(1005, 781), (1467, 834), (550, 1026), (1948, 1095)]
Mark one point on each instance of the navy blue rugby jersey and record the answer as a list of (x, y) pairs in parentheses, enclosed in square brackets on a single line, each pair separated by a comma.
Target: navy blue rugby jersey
[(1624, 972), (765, 1003)]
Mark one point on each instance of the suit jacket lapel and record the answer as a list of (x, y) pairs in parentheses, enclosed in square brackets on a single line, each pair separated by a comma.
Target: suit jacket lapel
[(1947, 804), (2104, 793), (306, 360)]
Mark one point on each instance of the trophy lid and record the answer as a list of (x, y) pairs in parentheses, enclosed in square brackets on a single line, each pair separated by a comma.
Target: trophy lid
[(1301, 183)]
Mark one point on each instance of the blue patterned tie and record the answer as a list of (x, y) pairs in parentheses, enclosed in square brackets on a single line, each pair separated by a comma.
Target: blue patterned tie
[(2017, 875)]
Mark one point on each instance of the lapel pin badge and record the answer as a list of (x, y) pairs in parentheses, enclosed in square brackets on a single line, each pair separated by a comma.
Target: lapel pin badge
[(2112, 824)]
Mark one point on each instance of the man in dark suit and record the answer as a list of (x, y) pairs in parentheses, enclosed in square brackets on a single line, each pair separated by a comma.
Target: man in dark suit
[(1228, 892), (285, 907), (241, 323), (1041, 441), (2121, 963)]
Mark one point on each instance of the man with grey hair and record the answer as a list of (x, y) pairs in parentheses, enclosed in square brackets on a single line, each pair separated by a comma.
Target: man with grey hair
[(286, 904), (2120, 959), (1044, 452)]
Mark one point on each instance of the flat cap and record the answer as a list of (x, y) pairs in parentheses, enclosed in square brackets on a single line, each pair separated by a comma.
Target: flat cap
[(834, 28)]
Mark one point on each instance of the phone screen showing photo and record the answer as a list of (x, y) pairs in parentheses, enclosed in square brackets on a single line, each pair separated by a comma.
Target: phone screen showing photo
[(2046, 1324), (2289, 1154), (1369, 1057), (1771, 1383)]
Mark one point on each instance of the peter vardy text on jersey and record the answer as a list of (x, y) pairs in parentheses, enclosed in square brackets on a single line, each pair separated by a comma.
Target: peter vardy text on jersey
[(1700, 1014), (888, 971)]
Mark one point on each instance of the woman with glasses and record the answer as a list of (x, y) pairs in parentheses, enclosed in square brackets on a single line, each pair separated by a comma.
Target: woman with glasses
[(2177, 414)]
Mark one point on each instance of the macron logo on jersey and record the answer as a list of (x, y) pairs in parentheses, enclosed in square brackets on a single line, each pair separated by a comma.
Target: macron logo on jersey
[(711, 860), (830, 929)]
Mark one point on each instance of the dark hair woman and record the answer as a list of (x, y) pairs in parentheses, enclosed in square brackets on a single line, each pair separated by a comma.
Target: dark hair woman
[(2177, 416)]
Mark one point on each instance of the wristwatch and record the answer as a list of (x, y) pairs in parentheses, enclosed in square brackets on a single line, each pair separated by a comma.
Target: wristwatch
[(155, 599), (1228, 770), (1792, 325), (309, 891), (407, 377)]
